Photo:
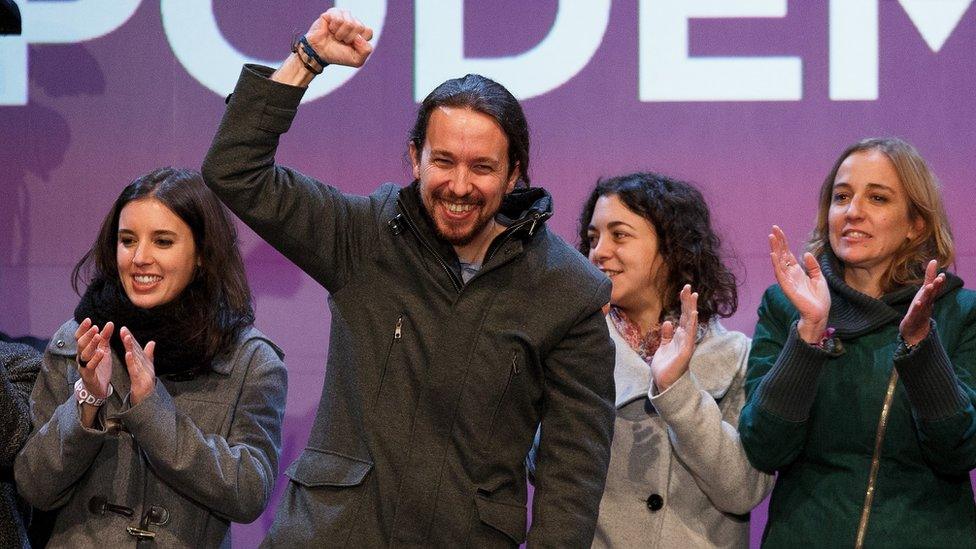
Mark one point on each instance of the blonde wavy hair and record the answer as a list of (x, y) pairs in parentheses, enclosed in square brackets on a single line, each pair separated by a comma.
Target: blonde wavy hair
[(934, 241)]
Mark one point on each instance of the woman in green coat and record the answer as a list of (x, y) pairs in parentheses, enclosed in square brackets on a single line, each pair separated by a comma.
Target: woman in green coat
[(861, 373)]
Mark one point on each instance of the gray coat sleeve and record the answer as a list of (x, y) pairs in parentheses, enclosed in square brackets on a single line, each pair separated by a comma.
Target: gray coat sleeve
[(61, 449), (19, 365), (302, 218), (706, 439), (231, 476), (574, 437)]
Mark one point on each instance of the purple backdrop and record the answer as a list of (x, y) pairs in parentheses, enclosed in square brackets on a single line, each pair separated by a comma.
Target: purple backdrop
[(81, 117)]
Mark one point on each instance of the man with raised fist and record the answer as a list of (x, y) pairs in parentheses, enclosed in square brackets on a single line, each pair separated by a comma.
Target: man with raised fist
[(460, 323)]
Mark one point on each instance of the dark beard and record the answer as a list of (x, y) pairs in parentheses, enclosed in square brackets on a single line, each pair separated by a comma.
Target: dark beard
[(465, 239), (454, 240)]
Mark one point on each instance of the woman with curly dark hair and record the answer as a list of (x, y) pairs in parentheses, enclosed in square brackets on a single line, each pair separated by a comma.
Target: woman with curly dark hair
[(678, 474)]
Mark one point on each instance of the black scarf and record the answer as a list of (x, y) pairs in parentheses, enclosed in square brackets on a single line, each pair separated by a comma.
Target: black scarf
[(180, 344)]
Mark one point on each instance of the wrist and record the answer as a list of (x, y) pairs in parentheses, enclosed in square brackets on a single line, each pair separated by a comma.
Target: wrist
[(309, 57), (293, 73), (141, 393), (914, 340), (84, 396), (811, 332), (659, 387), (665, 381)]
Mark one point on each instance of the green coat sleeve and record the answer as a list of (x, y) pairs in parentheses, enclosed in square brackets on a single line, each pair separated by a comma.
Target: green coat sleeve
[(781, 383), (939, 376)]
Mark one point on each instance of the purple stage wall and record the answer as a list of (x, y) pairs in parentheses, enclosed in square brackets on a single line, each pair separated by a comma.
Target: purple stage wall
[(752, 109)]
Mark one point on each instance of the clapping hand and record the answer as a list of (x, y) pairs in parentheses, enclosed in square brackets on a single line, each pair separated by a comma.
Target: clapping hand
[(95, 356), (139, 362), (806, 289), (915, 326), (673, 355)]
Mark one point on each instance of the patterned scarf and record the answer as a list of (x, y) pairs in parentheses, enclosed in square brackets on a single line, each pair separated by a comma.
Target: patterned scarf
[(644, 345)]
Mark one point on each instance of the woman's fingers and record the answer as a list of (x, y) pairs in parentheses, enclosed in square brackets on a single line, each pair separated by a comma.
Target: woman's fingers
[(137, 357), (139, 363), (779, 251), (812, 267), (150, 350), (129, 340), (83, 329), (87, 343), (106, 334), (684, 296), (89, 365), (930, 270), (775, 247), (691, 323), (782, 244), (667, 332), (926, 297), (915, 326), (130, 344)]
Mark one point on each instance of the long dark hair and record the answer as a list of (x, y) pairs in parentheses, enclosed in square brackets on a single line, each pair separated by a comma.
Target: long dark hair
[(486, 96), (690, 248), (219, 297)]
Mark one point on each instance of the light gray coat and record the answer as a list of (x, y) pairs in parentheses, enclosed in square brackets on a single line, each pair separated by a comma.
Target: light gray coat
[(204, 449), (682, 446)]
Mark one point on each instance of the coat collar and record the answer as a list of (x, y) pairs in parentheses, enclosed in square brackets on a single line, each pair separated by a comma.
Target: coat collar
[(716, 361), (520, 208), (853, 313)]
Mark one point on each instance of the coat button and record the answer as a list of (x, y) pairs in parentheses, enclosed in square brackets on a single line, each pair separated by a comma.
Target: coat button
[(60, 344), (655, 502)]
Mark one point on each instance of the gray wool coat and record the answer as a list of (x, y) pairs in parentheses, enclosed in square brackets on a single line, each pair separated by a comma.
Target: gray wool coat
[(434, 387), (679, 476), (19, 365), (201, 452)]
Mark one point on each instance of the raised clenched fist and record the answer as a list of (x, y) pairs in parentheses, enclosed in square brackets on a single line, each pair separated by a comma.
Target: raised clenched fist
[(339, 38)]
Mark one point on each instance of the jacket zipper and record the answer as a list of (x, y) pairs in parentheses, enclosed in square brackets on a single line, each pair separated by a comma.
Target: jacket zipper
[(397, 334), (534, 219), (862, 527), (455, 281), (512, 372)]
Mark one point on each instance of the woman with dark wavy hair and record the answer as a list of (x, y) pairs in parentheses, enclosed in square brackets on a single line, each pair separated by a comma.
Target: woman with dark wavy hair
[(862, 374), (169, 427), (678, 475)]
